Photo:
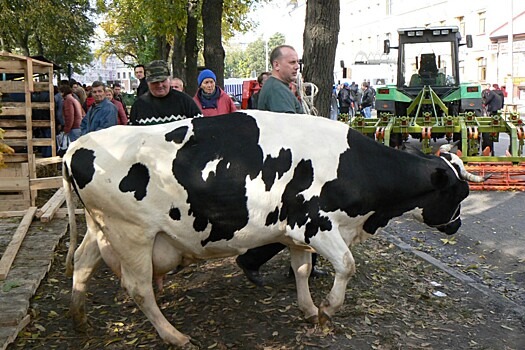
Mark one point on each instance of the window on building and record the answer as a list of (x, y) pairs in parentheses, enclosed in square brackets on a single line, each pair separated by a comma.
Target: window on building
[(482, 69), (482, 17), (461, 25), (118, 75), (123, 75)]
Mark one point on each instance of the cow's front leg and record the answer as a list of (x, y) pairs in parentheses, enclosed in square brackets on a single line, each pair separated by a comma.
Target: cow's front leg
[(335, 250), (87, 257), (301, 261)]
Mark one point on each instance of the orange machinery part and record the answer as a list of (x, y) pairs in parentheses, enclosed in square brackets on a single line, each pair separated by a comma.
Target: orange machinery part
[(505, 176)]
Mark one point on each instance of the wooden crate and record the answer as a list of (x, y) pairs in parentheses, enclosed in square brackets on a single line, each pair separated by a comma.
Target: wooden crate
[(27, 105)]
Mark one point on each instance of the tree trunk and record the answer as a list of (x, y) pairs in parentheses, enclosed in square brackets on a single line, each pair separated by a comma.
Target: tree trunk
[(212, 28), (162, 47), (320, 37), (191, 48), (177, 58)]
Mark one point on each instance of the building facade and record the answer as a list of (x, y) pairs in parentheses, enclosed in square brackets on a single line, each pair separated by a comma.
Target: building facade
[(109, 71), (366, 24)]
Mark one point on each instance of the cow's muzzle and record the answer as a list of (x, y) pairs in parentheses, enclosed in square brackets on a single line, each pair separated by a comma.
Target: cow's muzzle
[(451, 227)]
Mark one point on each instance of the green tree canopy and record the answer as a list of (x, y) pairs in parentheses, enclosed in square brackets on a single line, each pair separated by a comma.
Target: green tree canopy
[(61, 31), (241, 63)]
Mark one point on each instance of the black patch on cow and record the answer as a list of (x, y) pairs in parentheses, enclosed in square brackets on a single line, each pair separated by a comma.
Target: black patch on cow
[(136, 181), (374, 178), (218, 197), (296, 210), (271, 218), (177, 135), (174, 213), (83, 166), (276, 167)]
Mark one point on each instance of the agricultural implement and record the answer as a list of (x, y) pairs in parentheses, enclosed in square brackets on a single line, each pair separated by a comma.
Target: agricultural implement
[(430, 104)]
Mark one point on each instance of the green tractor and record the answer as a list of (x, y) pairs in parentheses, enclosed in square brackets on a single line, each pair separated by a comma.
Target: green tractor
[(429, 101)]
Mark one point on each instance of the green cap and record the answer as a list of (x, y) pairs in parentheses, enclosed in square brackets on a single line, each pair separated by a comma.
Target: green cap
[(157, 71)]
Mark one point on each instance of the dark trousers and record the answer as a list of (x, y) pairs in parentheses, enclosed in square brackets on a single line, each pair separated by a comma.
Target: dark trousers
[(254, 258)]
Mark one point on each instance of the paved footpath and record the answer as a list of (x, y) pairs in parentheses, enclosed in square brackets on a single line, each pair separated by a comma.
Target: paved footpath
[(30, 266)]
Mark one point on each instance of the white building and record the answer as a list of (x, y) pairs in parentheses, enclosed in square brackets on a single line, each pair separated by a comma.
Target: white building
[(364, 25), (109, 71)]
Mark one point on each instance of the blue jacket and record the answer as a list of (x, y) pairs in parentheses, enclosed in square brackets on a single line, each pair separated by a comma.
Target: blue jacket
[(100, 116)]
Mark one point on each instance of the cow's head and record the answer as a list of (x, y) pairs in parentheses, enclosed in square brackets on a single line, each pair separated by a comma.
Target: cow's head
[(442, 208)]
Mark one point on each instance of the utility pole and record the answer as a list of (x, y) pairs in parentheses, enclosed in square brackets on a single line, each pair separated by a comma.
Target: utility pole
[(510, 42)]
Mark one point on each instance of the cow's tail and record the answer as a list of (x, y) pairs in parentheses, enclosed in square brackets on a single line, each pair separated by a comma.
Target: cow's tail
[(73, 233)]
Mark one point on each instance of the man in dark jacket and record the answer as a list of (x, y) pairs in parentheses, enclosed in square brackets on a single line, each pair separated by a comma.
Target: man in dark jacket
[(501, 95), (345, 100), (161, 104), (143, 85), (366, 100)]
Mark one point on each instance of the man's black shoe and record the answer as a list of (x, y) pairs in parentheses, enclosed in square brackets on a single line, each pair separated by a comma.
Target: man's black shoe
[(317, 272), (252, 275)]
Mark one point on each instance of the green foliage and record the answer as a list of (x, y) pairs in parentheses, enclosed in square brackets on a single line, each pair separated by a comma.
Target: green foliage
[(243, 63), (148, 24), (61, 31)]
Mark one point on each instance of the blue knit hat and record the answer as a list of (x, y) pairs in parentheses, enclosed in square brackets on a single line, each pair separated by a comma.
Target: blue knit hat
[(204, 75)]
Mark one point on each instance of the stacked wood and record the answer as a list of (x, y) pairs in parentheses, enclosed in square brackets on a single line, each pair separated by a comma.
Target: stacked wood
[(27, 105)]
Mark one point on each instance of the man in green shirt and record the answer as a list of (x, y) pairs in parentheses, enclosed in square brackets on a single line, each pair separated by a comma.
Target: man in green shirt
[(275, 96)]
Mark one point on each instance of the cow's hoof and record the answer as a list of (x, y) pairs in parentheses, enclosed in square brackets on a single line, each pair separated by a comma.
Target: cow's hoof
[(324, 318), (192, 345), (313, 319)]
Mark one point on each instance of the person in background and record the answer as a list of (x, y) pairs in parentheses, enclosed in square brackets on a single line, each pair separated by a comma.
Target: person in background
[(210, 98), (59, 103), (501, 95), (89, 99), (367, 100), (117, 95), (122, 117), (334, 106), (484, 94), (79, 92), (72, 112), (177, 84), (102, 114), (255, 97), (161, 104), (344, 98), (143, 85), (275, 96)]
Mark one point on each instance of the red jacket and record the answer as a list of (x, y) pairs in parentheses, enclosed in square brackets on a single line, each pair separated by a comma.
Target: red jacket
[(122, 118), (72, 112), (225, 104)]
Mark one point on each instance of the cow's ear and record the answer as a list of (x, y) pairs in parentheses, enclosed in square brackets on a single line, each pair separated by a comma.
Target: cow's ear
[(439, 178)]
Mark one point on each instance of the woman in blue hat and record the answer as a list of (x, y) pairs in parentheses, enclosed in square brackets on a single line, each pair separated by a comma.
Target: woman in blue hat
[(210, 98)]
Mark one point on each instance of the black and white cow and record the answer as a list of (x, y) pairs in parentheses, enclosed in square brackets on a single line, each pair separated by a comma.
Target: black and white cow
[(161, 196)]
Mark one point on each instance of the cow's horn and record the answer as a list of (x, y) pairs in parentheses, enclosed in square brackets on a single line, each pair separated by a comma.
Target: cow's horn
[(465, 175), (447, 147)]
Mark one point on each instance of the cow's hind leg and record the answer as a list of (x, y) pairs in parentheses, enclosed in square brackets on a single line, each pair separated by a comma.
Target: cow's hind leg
[(301, 262), (87, 258), (334, 249), (137, 272)]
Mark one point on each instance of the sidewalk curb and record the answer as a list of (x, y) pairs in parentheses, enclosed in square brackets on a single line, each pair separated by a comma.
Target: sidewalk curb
[(512, 306)]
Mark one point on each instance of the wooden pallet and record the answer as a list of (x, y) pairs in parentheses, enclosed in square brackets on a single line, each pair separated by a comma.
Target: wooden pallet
[(27, 105)]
